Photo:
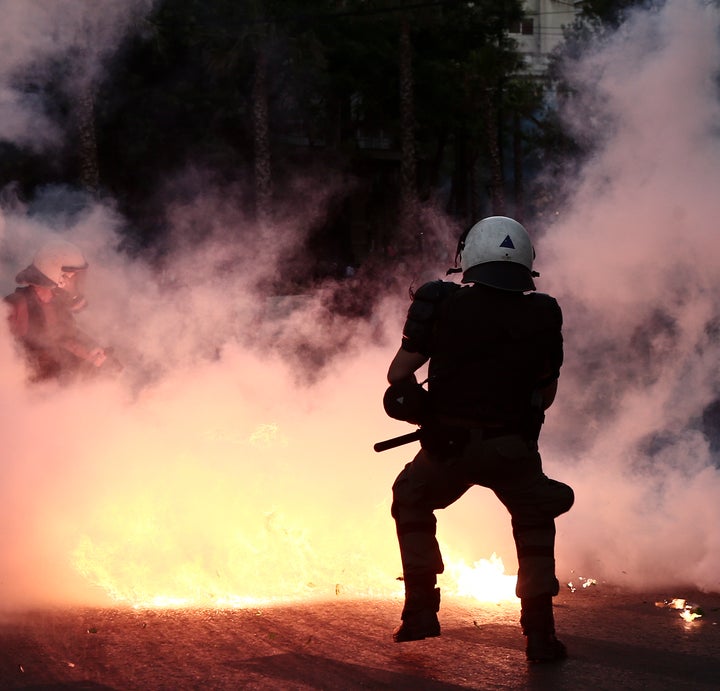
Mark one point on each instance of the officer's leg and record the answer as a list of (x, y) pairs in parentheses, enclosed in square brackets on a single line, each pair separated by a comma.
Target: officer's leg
[(422, 487), (533, 507)]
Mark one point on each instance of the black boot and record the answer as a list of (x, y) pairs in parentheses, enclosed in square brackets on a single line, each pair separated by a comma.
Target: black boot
[(419, 615), (538, 625), (543, 646)]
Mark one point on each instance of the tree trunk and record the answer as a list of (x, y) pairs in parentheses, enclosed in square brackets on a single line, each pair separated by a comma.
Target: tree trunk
[(518, 168), (410, 231), (497, 181), (458, 204), (263, 167), (433, 175), (87, 144)]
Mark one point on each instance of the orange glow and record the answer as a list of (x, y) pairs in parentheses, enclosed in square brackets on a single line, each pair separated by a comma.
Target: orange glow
[(485, 580), (690, 615), (210, 490), (196, 539), (161, 583)]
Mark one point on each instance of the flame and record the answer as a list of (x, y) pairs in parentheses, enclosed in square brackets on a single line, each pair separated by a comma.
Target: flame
[(142, 568), (195, 538), (690, 615), (689, 612), (174, 584), (486, 580)]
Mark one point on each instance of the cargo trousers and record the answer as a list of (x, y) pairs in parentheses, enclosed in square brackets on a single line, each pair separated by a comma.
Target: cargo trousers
[(510, 465)]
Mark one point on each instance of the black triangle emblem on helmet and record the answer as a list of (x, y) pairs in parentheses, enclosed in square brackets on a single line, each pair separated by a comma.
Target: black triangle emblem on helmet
[(507, 242)]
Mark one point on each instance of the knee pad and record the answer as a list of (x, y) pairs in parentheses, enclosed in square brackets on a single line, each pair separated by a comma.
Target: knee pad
[(560, 498)]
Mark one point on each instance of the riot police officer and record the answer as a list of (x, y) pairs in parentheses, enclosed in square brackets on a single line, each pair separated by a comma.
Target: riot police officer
[(495, 349), (42, 314)]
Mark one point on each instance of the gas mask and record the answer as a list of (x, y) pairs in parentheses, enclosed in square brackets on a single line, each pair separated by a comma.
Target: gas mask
[(70, 289)]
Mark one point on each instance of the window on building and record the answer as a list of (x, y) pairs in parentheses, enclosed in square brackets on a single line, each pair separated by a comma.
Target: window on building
[(526, 27)]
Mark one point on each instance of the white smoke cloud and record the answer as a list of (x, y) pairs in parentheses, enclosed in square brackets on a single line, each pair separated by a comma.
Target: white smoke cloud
[(219, 464), (634, 261), (33, 34)]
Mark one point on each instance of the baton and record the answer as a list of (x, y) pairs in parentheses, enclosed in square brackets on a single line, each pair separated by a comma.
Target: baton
[(397, 441)]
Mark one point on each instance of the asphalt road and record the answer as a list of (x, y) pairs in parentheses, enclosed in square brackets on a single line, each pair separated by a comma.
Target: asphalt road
[(616, 640)]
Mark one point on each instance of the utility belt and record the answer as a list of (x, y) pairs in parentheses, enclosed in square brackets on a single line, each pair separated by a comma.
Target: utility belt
[(448, 436), (490, 428)]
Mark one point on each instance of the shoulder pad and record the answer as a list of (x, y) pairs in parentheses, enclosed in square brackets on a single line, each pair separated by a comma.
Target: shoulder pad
[(434, 291), (422, 313), (547, 302), (19, 295), (427, 298)]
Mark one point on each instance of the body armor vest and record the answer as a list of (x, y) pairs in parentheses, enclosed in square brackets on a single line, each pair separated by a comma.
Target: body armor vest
[(491, 351)]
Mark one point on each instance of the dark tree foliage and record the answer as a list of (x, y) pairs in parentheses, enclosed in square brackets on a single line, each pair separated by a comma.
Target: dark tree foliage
[(609, 12), (179, 94)]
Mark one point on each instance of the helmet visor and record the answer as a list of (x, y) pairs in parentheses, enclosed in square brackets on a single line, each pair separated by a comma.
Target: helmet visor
[(503, 274)]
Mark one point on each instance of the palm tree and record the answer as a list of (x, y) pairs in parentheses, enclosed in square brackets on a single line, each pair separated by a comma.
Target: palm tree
[(409, 201), (89, 175), (261, 129)]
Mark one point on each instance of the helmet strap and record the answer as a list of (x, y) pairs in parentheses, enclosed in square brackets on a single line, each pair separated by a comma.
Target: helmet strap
[(458, 251)]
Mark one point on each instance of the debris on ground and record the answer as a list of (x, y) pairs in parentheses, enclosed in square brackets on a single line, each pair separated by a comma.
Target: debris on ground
[(582, 583), (688, 610)]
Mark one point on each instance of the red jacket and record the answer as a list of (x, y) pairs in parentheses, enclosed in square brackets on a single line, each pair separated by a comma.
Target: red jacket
[(52, 342)]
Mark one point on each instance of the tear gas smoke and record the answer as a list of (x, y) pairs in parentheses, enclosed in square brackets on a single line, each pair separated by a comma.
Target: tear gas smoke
[(232, 459), (210, 470), (634, 261), (63, 41)]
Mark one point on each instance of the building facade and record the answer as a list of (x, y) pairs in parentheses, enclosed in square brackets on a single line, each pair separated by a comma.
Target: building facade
[(542, 29)]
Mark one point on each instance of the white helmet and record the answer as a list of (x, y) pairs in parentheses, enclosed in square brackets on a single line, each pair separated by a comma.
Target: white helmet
[(497, 252), (58, 265), (58, 260)]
